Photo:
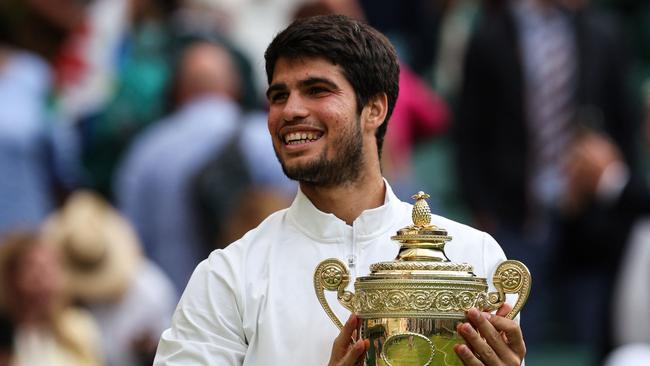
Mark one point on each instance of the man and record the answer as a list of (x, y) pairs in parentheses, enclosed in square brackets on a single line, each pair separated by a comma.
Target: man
[(333, 84)]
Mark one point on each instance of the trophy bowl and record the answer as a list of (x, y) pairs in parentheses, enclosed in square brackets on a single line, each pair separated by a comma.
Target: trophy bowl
[(409, 308)]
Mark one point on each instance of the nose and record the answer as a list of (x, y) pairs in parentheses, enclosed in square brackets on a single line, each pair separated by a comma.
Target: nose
[(294, 108)]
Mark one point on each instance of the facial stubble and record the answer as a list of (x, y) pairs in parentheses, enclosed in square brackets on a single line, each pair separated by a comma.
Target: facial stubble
[(343, 169)]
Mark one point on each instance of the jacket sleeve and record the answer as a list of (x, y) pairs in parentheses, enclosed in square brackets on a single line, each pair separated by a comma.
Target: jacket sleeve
[(207, 326)]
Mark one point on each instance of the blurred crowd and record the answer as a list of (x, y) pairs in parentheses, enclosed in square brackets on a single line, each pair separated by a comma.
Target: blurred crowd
[(133, 142)]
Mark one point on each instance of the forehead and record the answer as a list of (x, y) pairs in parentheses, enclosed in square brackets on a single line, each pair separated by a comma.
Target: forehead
[(288, 70)]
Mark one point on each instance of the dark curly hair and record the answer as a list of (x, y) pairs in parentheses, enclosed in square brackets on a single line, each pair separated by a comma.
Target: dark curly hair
[(368, 60)]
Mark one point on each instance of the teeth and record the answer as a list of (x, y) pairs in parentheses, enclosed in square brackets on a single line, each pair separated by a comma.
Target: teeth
[(300, 137)]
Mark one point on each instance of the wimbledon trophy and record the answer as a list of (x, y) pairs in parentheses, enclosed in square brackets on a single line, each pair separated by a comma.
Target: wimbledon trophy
[(409, 307)]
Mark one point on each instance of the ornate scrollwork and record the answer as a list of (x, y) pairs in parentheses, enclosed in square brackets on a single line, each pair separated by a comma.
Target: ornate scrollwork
[(417, 300), (511, 277), (331, 274)]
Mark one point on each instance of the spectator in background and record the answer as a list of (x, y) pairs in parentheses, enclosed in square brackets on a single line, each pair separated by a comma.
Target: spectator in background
[(618, 207), (155, 183), (48, 330), (26, 196), (143, 70), (536, 70), (39, 157), (129, 297)]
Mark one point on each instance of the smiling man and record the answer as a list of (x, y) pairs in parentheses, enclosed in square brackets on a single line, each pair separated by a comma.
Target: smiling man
[(333, 83)]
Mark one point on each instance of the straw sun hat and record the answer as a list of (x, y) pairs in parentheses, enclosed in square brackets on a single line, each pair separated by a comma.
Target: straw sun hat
[(99, 250)]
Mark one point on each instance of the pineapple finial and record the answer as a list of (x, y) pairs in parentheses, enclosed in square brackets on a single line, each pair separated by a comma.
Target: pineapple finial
[(421, 212)]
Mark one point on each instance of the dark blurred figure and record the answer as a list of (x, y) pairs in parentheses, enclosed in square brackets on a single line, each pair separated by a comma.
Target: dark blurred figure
[(6, 341), (156, 181), (32, 288), (411, 26), (39, 25), (536, 71), (616, 207)]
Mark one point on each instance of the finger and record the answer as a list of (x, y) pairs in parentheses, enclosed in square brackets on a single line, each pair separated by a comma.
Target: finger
[(342, 341), (355, 353), (493, 338), (481, 348), (504, 309), (467, 356), (513, 333)]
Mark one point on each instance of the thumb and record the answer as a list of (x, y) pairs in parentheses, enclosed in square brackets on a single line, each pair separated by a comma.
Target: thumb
[(342, 341), (504, 309)]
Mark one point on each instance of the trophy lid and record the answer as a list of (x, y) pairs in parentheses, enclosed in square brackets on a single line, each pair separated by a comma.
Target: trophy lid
[(422, 245)]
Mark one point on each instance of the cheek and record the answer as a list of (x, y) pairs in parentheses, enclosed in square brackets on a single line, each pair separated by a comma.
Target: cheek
[(273, 122)]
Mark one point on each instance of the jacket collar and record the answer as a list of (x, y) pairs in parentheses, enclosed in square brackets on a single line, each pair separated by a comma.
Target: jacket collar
[(326, 227)]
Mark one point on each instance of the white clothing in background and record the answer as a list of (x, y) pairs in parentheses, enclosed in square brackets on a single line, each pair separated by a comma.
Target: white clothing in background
[(632, 294), (143, 311)]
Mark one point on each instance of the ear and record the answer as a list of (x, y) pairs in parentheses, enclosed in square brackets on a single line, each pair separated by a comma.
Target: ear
[(374, 112)]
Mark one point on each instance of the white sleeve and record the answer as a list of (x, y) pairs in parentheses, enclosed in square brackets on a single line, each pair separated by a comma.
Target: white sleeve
[(207, 324)]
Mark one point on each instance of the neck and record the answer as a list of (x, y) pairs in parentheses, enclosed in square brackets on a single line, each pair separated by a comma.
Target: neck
[(348, 201)]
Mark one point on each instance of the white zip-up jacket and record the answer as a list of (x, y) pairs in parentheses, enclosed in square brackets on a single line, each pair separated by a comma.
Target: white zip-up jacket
[(254, 303)]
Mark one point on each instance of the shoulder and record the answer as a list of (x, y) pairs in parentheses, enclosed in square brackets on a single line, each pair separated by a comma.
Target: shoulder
[(227, 272), (460, 230), (470, 245), (253, 246)]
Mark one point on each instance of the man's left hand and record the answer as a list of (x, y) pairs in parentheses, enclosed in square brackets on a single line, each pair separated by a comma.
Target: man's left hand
[(492, 340)]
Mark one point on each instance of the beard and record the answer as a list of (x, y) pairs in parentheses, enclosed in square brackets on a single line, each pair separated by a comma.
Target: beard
[(344, 168)]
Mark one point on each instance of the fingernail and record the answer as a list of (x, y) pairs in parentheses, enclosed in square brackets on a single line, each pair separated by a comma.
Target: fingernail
[(463, 350), (473, 314), (467, 329)]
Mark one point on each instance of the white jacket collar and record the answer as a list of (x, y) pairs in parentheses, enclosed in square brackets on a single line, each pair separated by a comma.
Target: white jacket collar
[(326, 227)]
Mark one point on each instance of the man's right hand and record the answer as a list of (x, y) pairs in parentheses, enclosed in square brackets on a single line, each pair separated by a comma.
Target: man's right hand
[(346, 351)]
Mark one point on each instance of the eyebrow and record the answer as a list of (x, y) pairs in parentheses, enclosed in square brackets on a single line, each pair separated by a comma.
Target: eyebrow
[(302, 84)]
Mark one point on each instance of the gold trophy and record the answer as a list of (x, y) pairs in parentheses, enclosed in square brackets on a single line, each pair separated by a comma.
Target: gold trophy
[(409, 307)]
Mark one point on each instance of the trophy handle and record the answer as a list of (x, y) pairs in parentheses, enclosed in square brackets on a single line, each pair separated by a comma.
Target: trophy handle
[(331, 274), (510, 277)]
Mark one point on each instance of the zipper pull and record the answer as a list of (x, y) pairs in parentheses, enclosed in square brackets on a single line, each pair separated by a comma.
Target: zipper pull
[(352, 260)]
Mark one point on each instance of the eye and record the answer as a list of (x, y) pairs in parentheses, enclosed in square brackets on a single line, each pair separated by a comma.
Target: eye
[(278, 97), (317, 90)]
